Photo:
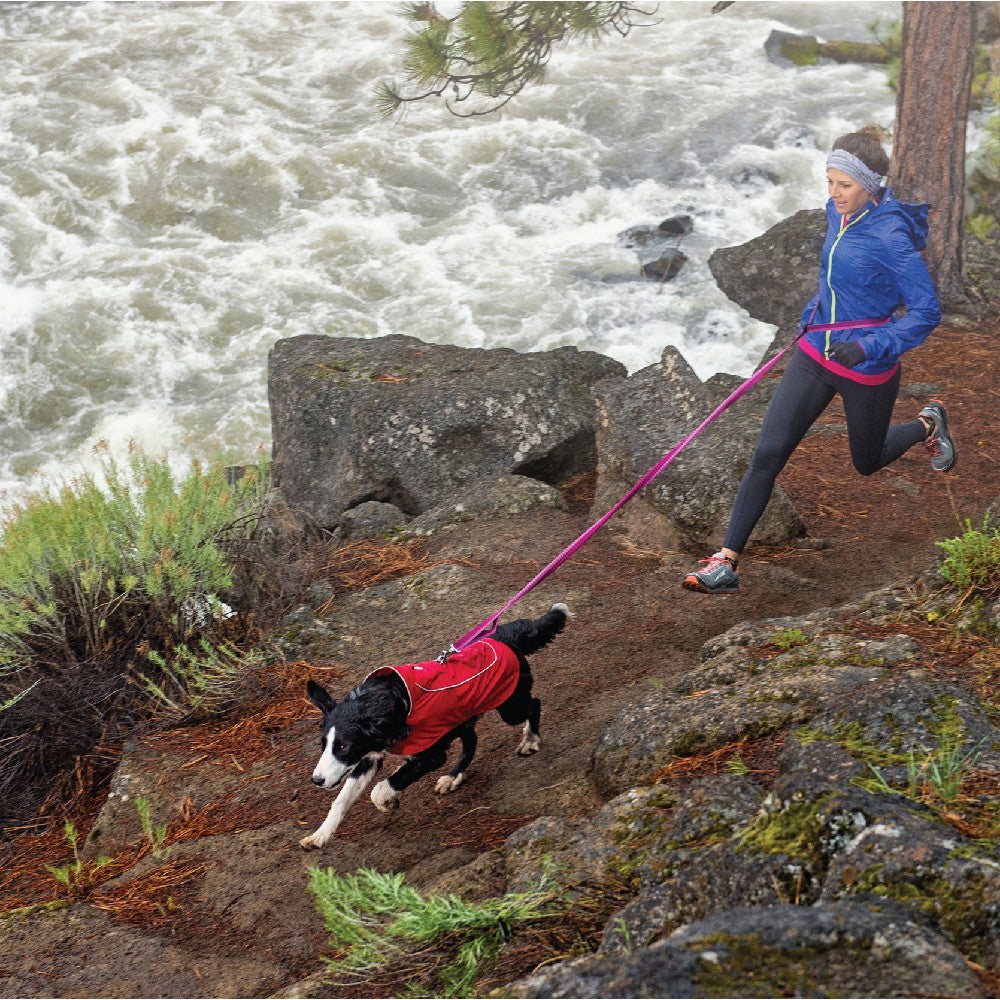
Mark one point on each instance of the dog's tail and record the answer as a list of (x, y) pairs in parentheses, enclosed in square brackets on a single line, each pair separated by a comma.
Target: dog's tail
[(528, 635)]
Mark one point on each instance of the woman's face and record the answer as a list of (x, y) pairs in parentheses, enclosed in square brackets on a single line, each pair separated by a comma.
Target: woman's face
[(847, 194)]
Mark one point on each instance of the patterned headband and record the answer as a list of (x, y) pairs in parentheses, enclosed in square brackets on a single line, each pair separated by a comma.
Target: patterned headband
[(840, 159)]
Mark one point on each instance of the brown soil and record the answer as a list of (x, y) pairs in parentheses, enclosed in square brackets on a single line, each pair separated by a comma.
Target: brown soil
[(227, 911)]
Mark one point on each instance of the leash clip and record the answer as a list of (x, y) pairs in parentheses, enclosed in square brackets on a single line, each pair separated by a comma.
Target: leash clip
[(445, 653)]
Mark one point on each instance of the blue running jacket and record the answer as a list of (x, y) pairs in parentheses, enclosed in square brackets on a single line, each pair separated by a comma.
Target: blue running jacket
[(871, 266)]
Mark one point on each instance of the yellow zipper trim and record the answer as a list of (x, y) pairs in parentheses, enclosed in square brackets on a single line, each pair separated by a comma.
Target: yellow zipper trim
[(829, 271)]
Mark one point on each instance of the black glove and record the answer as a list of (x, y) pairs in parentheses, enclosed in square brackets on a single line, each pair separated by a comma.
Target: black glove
[(848, 353)]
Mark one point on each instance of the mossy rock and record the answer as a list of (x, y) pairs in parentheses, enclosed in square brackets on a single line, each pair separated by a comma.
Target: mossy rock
[(924, 863), (852, 948)]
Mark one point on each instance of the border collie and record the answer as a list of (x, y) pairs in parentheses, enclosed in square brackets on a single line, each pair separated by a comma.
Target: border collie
[(418, 710)]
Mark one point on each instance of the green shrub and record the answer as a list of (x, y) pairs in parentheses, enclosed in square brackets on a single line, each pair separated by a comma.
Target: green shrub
[(116, 604), (78, 567), (972, 560)]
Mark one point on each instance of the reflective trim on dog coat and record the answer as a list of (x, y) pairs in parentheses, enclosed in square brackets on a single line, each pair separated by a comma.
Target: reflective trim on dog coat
[(444, 695)]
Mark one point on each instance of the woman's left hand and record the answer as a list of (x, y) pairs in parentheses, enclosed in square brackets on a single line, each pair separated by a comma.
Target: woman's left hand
[(848, 353)]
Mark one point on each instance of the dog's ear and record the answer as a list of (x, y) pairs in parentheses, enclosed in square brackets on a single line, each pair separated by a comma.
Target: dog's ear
[(320, 697)]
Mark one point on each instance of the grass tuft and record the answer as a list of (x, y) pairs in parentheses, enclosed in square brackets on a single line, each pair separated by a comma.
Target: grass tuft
[(376, 918)]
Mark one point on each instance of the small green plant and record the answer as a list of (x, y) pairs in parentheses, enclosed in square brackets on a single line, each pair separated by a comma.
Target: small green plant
[(972, 560), (982, 226), (877, 783), (788, 638), (737, 765), (936, 773), (77, 877), (947, 768), (375, 918), (626, 934), (156, 835), (192, 679), (121, 596)]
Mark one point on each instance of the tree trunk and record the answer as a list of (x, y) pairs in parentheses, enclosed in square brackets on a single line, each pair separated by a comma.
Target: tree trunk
[(932, 105)]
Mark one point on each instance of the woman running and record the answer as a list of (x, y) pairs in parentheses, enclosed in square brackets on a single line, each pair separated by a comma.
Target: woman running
[(871, 265)]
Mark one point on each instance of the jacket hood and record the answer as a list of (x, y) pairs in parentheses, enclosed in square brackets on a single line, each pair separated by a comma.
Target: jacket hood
[(913, 216)]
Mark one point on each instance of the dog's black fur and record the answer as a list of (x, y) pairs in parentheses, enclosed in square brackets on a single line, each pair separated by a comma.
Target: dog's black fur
[(358, 730)]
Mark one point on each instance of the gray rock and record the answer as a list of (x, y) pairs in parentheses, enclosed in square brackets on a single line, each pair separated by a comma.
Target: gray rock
[(787, 49), (503, 496), (776, 274), (666, 267), (733, 696), (372, 520), (407, 423), (908, 713), (951, 879), (643, 417), (650, 972), (851, 948), (861, 949), (677, 225)]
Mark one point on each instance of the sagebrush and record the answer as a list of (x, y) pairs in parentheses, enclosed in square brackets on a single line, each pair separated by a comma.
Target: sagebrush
[(122, 595)]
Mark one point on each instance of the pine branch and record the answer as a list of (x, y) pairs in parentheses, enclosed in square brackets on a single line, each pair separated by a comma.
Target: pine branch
[(494, 50)]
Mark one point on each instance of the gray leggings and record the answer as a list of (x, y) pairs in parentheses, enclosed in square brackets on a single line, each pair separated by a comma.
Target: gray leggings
[(804, 392)]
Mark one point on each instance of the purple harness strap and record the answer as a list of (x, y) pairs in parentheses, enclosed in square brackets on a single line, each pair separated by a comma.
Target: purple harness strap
[(488, 626)]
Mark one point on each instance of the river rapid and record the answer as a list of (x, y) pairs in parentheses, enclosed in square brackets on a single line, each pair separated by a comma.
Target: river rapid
[(183, 184)]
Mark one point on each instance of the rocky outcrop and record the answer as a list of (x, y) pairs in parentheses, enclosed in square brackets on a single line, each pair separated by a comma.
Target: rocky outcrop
[(642, 417), (845, 949), (398, 421), (852, 830), (410, 426)]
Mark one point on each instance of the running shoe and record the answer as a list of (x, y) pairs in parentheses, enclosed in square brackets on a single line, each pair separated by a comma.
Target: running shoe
[(719, 576), (939, 442)]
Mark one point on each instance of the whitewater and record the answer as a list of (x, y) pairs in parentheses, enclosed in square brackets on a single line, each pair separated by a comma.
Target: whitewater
[(184, 184)]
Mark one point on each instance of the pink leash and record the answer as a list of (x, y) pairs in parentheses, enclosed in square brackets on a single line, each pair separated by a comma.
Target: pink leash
[(488, 626)]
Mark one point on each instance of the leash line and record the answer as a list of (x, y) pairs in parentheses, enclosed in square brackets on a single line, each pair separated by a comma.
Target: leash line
[(489, 625)]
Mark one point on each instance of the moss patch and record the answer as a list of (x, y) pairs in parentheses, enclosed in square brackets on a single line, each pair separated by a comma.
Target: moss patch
[(961, 913), (795, 831), (850, 735), (742, 967)]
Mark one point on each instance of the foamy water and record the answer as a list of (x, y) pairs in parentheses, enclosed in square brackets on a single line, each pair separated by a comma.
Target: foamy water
[(181, 185)]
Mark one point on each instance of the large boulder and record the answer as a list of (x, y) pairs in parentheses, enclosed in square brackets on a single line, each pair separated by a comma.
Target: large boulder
[(403, 422), (776, 274), (642, 417), (848, 948)]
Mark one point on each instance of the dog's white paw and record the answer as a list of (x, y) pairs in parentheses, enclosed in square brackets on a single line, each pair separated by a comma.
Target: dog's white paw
[(312, 842), (384, 798), (531, 743), (447, 783)]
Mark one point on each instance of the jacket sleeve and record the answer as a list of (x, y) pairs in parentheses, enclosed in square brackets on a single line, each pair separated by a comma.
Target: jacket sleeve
[(807, 313), (923, 312)]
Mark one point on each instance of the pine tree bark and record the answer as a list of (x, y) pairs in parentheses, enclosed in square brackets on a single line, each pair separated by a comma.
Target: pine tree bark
[(932, 106)]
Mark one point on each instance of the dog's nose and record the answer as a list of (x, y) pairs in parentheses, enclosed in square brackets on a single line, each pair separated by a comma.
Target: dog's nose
[(317, 779)]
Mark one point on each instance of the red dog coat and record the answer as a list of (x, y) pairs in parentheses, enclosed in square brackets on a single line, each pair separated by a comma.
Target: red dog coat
[(444, 695)]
